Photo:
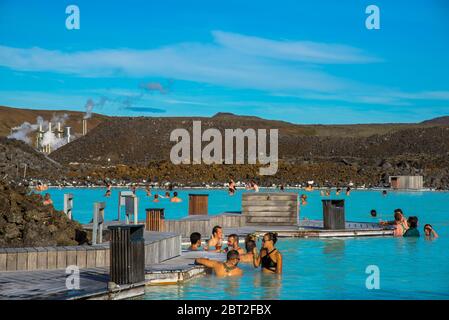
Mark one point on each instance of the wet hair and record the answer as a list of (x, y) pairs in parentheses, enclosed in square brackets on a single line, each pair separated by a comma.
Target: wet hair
[(398, 210), (397, 215), (413, 221), (273, 236), (373, 212), (215, 229), (175, 194), (250, 245), (234, 236), (232, 254), (156, 196), (338, 189), (47, 196), (427, 225), (195, 237)]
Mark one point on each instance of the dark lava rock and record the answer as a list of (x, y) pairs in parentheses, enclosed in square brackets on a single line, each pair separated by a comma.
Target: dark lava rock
[(25, 221)]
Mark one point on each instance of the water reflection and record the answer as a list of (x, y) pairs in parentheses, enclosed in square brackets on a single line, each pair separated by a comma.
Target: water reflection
[(269, 285)]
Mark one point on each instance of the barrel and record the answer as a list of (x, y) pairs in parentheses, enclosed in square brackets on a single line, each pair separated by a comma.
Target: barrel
[(127, 250), (334, 214), (154, 219), (198, 204)]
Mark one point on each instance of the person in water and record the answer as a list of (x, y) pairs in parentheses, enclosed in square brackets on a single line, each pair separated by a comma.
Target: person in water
[(108, 193), (148, 191), (337, 193), (429, 232), (269, 258), (249, 255), (231, 187), (47, 200), (233, 244), (175, 197), (412, 230), (348, 191), (223, 269), (373, 213), (399, 222), (195, 241), (216, 240), (384, 193), (156, 198), (303, 199)]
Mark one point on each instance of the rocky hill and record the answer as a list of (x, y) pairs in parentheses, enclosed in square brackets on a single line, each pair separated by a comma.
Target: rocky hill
[(25, 221)]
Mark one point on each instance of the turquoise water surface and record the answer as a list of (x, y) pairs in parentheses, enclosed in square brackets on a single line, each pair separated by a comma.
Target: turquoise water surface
[(316, 269)]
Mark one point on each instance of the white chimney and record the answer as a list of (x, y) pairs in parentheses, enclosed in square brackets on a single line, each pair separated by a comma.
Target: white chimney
[(68, 134)]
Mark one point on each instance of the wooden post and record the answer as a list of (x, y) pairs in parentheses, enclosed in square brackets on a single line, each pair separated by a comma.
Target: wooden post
[(97, 226), (68, 205), (333, 214), (198, 204), (154, 219)]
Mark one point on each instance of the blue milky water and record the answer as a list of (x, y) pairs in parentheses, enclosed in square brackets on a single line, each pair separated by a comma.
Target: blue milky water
[(316, 269)]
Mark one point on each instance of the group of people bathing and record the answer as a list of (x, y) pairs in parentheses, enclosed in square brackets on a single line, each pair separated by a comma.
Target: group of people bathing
[(156, 196), (268, 257), (407, 227)]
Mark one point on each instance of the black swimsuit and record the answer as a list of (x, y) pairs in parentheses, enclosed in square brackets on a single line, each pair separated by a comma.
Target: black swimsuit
[(267, 262)]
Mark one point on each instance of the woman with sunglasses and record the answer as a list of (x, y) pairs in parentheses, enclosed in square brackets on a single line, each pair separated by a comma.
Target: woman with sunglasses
[(270, 259)]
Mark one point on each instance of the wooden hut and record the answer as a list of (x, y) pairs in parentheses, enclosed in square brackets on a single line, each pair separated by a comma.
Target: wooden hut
[(406, 182)]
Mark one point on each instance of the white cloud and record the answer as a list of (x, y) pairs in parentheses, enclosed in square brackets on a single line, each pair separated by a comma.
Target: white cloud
[(303, 51)]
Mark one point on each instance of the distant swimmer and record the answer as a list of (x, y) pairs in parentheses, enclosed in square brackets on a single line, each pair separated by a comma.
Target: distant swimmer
[(133, 189), (249, 255), (303, 199), (384, 193), (216, 240), (156, 198), (175, 197), (233, 244), (348, 191), (232, 188), (328, 193), (41, 187), (223, 269), (269, 258), (309, 188), (338, 191), (108, 193), (281, 187), (195, 241), (148, 191), (253, 186), (429, 232), (47, 200), (373, 213)]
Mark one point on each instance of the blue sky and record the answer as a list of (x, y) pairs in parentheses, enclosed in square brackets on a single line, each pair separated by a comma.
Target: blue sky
[(299, 61)]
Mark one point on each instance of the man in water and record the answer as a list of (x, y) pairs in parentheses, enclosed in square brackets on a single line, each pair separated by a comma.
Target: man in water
[(231, 187), (338, 191), (156, 198), (216, 240), (233, 244), (249, 255), (412, 230), (373, 213), (195, 241), (175, 197), (47, 200), (223, 269)]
